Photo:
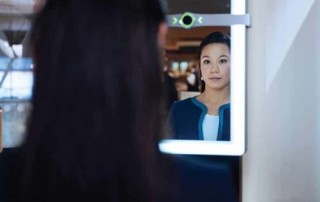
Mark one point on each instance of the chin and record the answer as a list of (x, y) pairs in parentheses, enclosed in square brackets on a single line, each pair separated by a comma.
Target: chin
[(217, 87)]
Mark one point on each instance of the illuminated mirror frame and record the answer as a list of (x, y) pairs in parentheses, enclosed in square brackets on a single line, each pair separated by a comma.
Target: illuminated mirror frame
[(238, 20)]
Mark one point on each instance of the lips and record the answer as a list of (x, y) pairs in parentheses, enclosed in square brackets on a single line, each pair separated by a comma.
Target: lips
[(215, 78)]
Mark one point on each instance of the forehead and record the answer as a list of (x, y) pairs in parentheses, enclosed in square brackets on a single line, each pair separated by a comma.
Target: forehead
[(215, 50)]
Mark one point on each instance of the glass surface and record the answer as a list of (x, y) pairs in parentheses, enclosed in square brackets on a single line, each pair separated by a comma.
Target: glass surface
[(182, 46), (16, 78), (14, 115), (184, 69)]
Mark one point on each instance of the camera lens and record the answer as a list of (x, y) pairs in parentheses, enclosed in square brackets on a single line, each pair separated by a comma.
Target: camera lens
[(187, 20)]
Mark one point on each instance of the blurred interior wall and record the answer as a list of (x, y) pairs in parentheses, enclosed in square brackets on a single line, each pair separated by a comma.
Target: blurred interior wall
[(283, 102)]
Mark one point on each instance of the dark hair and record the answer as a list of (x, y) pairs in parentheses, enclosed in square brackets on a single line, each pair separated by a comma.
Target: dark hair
[(214, 37), (93, 131)]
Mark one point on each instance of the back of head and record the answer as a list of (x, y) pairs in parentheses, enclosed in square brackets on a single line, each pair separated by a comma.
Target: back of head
[(93, 130)]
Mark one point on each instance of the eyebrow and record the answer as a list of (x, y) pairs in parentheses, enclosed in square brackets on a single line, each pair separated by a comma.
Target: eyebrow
[(205, 56)]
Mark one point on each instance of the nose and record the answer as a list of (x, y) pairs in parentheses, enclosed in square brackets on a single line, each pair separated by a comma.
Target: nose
[(214, 68)]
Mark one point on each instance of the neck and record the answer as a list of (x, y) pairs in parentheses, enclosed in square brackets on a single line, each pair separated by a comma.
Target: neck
[(221, 96)]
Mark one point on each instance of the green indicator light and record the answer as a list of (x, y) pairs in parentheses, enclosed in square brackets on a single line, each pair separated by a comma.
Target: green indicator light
[(174, 20), (187, 20), (200, 20)]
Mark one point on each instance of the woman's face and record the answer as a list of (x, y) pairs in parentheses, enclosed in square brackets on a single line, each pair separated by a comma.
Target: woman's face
[(215, 66)]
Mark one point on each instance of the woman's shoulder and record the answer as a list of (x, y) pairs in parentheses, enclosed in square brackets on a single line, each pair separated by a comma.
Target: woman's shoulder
[(183, 103), (224, 107), (187, 106)]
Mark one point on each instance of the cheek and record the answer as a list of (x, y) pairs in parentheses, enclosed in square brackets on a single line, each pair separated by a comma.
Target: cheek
[(202, 70), (227, 71)]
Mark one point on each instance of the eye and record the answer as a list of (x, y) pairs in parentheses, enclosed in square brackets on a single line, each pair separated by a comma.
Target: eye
[(222, 61), (206, 61)]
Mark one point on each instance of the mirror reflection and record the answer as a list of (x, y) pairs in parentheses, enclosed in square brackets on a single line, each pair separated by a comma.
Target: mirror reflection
[(198, 68), (206, 116), (197, 76)]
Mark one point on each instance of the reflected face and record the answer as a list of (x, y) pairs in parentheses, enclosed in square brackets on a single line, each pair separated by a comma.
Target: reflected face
[(215, 66)]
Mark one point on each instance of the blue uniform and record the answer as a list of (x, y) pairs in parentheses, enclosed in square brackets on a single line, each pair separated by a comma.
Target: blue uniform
[(186, 118)]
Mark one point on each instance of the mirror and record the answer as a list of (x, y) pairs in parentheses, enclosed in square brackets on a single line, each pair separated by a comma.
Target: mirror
[(189, 23)]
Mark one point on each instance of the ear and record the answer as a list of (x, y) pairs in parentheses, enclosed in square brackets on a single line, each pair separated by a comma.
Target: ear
[(162, 34)]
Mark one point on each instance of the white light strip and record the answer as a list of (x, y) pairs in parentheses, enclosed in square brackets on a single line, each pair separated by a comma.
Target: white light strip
[(199, 147), (238, 75), (238, 7), (210, 20)]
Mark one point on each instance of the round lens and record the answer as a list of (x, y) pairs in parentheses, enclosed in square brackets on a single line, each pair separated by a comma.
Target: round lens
[(187, 20)]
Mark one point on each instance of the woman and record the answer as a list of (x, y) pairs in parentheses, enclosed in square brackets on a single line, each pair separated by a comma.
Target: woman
[(93, 131), (207, 116)]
